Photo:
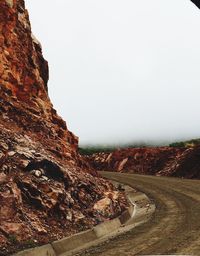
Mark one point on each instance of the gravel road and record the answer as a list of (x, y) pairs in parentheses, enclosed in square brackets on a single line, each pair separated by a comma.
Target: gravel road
[(173, 230)]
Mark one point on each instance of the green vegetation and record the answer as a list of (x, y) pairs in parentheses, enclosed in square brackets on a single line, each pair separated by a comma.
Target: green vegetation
[(89, 150), (92, 149), (186, 144), (12, 239)]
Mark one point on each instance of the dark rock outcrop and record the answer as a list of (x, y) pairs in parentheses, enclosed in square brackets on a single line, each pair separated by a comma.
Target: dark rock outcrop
[(47, 190)]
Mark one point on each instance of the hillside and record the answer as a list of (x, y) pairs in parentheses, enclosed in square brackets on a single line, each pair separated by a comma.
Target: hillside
[(161, 161)]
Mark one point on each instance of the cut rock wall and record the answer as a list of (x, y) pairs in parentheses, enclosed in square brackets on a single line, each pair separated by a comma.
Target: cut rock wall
[(160, 161), (47, 191)]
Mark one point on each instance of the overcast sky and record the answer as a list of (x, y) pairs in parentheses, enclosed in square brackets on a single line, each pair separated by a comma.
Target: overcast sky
[(122, 70)]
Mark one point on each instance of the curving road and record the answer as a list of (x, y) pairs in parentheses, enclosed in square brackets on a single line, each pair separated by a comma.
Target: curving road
[(173, 230)]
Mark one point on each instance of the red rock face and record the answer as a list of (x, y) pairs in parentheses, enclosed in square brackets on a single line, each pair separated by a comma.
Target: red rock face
[(161, 161), (24, 76), (47, 190)]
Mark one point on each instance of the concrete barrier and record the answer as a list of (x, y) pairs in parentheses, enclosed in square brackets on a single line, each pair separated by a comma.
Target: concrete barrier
[(126, 215), (45, 250), (107, 227), (140, 211), (73, 242), (78, 240)]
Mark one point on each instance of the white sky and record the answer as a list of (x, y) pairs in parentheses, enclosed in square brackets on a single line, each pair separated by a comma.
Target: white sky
[(122, 70)]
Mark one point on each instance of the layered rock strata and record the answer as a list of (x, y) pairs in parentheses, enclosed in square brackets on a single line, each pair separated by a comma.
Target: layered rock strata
[(47, 191)]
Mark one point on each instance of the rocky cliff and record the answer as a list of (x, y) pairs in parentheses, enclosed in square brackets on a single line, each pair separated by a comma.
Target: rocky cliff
[(181, 162), (46, 190)]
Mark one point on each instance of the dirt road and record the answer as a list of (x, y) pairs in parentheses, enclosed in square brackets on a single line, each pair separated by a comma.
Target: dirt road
[(175, 226)]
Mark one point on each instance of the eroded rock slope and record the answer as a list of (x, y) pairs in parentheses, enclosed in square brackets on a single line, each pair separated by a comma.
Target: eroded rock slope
[(47, 190), (160, 161)]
